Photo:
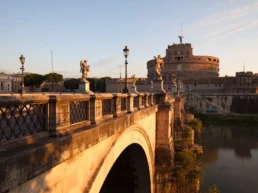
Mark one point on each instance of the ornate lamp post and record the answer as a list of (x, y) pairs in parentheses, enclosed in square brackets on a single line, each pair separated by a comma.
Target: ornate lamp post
[(126, 53), (22, 59)]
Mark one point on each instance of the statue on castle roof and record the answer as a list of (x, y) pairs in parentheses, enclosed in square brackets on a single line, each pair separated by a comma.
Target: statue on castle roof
[(85, 68), (158, 67), (181, 39)]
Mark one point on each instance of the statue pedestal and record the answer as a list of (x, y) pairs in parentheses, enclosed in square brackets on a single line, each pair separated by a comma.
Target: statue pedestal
[(158, 86), (133, 89), (84, 87)]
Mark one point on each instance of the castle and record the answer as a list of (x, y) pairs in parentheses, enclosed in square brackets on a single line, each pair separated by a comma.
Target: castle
[(179, 60)]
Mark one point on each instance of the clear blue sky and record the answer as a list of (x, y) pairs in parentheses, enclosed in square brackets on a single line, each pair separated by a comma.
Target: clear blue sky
[(99, 30)]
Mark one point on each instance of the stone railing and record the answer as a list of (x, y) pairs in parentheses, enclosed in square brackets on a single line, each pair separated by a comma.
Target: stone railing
[(22, 116), (60, 114)]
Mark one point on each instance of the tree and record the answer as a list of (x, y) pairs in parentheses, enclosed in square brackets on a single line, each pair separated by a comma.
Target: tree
[(33, 80), (196, 125), (53, 78), (98, 84), (71, 84)]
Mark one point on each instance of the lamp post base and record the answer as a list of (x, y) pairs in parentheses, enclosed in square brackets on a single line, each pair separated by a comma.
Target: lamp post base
[(22, 91), (125, 90)]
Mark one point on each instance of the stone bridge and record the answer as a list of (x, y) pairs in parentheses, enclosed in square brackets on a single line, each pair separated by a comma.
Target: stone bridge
[(88, 142)]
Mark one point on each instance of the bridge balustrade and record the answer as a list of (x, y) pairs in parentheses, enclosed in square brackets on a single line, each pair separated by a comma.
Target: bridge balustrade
[(136, 102), (20, 117), (79, 111), (59, 114), (123, 104)]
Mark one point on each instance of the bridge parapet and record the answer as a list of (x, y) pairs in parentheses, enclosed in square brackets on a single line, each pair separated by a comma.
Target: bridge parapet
[(60, 114)]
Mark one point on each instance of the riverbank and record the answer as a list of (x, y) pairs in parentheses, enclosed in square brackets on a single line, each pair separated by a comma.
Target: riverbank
[(228, 118)]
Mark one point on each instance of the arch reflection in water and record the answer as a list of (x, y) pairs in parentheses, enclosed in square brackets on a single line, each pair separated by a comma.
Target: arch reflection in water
[(130, 173)]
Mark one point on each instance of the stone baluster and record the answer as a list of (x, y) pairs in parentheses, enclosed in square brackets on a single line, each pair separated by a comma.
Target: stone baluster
[(129, 104), (152, 99), (147, 95), (116, 105), (95, 109), (141, 106), (59, 116)]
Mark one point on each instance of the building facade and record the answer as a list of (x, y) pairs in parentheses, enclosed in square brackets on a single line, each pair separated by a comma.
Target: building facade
[(5, 83), (16, 82), (242, 82)]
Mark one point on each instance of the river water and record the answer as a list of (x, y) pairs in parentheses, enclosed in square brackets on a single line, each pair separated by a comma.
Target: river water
[(230, 158)]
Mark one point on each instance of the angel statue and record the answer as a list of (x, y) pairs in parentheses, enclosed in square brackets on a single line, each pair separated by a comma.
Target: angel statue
[(151, 83), (173, 79), (85, 68), (159, 66), (134, 79)]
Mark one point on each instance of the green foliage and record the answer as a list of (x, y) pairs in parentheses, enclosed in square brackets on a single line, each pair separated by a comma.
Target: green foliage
[(196, 125), (33, 80), (98, 84), (189, 168), (213, 189), (72, 84), (186, 158), (53, 78), (44, 90)]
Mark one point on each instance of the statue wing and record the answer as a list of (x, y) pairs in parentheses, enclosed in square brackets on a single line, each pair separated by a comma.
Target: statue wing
[(81, 66), (162, 63)]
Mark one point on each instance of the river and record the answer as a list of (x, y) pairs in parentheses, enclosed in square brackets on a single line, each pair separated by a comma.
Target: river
[(230, 158)]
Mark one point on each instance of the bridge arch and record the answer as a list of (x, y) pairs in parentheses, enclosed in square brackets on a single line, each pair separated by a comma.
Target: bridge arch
[(133, 140)]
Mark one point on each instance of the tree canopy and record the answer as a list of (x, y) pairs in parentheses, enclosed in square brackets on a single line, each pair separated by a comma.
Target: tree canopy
[(71, 84), (33, 80), (53, 77)]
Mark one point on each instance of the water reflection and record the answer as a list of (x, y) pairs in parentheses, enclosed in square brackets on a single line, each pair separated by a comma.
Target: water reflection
[(230, 157)]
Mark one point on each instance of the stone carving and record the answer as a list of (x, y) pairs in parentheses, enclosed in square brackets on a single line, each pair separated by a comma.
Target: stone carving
[(178, 84), (179, 67), (158, 67), (85, 68), (151, 82), (173, 80), (134, 79)]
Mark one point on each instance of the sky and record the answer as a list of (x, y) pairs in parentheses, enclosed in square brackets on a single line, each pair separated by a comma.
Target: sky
[(99, 30)]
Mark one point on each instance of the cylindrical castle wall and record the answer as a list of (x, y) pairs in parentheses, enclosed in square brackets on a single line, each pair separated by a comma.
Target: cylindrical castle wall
[(195, 66)]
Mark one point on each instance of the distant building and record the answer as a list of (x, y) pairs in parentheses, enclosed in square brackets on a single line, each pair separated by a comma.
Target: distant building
[(243, 82), (116, 85), (49, 87), (16, 82), (5, 83)]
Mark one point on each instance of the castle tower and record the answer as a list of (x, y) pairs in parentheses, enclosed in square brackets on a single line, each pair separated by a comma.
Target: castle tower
[(179, 60)]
